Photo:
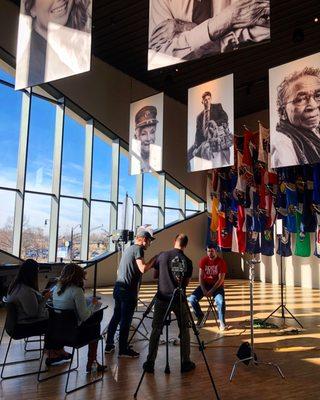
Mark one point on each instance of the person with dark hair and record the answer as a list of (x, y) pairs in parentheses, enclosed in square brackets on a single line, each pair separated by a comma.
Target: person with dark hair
[(59, 40), (68, 294), (31, 305), (167, 283), (212, 271), (297, 140), (125, 293)]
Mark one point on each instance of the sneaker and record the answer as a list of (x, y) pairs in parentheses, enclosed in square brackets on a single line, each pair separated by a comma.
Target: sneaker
[(187, 366), (148, 367), (129, 353), (109, 348), (55, 360), (99, 368), (222, 327)]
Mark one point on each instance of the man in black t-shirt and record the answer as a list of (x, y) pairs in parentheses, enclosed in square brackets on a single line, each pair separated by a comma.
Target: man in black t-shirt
[(166, 286), (125, 293)]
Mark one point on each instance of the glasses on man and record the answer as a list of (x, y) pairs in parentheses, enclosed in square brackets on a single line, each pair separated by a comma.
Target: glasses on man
[(304, 98)]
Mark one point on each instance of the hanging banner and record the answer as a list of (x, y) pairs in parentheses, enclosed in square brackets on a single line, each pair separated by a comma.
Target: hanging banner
[(146, 133), (54, 40), (294, 93), (211, 125), (186, 30)]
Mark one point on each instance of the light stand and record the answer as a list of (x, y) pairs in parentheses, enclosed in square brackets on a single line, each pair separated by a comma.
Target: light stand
[(282, 306), (252, 358)]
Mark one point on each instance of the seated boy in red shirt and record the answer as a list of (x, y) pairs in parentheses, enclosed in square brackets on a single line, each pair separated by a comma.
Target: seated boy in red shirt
[(212, 271)]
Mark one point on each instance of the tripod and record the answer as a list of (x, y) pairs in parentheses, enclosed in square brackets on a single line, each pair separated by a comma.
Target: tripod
[(282, 306), (178, 293), (252, 358)]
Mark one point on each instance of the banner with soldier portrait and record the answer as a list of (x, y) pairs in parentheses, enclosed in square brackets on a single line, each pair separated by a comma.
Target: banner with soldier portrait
[(211, 125), (146, 133), (294, 93)]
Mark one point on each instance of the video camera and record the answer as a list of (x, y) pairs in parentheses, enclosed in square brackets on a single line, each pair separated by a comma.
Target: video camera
[(122, 235), (178, 268)]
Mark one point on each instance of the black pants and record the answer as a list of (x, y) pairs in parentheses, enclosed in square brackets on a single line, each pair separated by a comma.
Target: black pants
[(125, 304)]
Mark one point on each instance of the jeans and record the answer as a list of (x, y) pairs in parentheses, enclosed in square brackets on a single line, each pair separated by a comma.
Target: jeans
[(160, 309), (218, 296), (125, 304)]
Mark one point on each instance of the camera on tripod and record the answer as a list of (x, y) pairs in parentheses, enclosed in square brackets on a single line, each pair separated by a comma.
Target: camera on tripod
[(122, 236), (178, 268)]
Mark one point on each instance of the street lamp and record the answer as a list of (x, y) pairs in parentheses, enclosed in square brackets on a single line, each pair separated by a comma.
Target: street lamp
[(71, 240)]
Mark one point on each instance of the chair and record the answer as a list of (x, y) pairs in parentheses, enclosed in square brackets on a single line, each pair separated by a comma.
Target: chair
[(17, 332), (63, 330), (211, 307)]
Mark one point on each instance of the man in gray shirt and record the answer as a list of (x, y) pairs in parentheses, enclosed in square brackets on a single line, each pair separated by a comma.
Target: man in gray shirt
[(125, 293)]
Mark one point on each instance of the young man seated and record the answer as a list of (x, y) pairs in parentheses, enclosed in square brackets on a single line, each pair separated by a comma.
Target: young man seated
[(212, 271)]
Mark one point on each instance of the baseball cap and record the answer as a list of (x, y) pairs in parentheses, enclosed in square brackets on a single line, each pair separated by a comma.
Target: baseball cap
[(146, 232)]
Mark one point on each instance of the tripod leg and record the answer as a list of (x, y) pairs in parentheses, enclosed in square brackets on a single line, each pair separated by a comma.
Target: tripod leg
[(289, 312), (149, 308), (270, 315), (196, 333), (139, 384), (167, 369)]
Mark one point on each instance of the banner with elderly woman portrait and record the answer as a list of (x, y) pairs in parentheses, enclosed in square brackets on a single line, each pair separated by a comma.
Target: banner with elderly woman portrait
[(54, 40), (294, 93), (146, 133), (190, 29), (211, 125)]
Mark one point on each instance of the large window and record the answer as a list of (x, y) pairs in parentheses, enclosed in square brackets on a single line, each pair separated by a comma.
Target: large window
[(73, 155), (67, 201), (10, 117), (7, 201), (40, 146)]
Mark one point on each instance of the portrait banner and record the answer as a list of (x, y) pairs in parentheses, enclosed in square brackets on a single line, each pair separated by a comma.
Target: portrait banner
[(54, 40), (294, 95), (186, 30), (211, 125), (146, 134)]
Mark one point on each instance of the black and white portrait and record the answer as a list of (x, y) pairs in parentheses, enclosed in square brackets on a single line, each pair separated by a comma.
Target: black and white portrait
[(182, 30), (295, 112), (54, 40), (146, 132), (210, 125)]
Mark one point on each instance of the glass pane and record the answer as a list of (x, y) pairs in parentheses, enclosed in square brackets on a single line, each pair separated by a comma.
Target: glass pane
[(101, 168), (10, 115), (7, 200), (73, 156), (35, 230), (189, 213), (150, 190), (150, 217), (40, 147), (172, 195), (191, 204), (171, 216), (99, 229), (4, 74), (130, 221), (127, 183), (69, 237)]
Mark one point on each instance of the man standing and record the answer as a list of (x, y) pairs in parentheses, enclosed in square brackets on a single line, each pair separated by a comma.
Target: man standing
[(125, 293), (212, 271), (145, 132), (297, 140), (166, 286)]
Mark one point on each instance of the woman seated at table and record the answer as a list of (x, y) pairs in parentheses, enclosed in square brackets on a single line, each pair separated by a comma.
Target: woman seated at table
[(69, 295), (31, 305)]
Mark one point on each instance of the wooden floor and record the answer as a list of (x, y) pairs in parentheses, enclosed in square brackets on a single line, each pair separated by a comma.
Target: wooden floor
[(297, 354)]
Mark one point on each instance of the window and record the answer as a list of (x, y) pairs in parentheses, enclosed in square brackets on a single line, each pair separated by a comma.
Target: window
[(5, 75), (73, 155), (69, 237), (127, 184), (10, 116), (192, 206), (41, 143), (7, 200), (99, 228), (101, 167), (35, 228), (150, 217)]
